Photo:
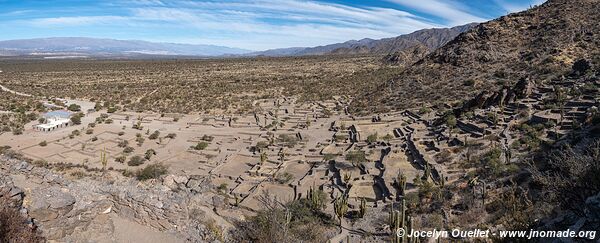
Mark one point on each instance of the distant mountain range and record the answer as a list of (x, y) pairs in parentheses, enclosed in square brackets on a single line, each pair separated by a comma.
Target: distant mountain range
[(430, 39), (81, 47), (414, 44)]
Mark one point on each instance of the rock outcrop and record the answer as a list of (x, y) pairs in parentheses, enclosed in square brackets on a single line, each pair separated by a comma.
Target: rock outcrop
[(73, 211)]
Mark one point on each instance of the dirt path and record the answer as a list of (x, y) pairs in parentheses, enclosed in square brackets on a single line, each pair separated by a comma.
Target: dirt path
[(4, 88)]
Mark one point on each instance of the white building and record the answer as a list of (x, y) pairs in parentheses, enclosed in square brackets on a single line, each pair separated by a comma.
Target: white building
[(54, 120)]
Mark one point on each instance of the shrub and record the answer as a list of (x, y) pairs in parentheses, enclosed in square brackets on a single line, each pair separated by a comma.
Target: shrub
[(201, 146), (76, 120), (372, 138), (17, 131), (288, 140), (356, 157), (329, 157), (43, 143), (135, 161), (208, 138), (222, 187), (128, 150), (74, 107), (284, 178), (149, 154), (469, 82), (154, 135), (271, 224), (151, 172), (13, 226), (123, 143), (121, 159)]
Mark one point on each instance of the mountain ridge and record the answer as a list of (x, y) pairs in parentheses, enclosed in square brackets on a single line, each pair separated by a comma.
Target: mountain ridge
[(541, 43), (430, 38)]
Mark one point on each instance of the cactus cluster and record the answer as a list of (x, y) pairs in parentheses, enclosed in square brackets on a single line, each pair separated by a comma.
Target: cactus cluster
[(341, 206), (103, 159), (315, 199), (399, 219)]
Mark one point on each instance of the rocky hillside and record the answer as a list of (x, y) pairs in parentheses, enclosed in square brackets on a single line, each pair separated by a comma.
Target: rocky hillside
[(541, 43), (427, 39)]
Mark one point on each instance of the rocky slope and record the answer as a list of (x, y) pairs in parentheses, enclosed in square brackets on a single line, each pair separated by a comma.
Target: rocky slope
[(540, 43), (430, 39), (173, 209), (427, 39)]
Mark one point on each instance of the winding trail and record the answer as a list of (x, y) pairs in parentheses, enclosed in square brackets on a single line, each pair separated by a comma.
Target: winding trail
[(4, 88)]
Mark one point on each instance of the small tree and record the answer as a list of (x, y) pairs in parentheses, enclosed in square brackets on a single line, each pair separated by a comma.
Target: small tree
[(76, 119), (74, 108)]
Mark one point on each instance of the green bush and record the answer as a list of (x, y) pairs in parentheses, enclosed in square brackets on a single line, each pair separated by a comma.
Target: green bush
[(201, 146), (372, 138), (135, 161), (356, 157), (74, 107), (151, 172), (154, 135)]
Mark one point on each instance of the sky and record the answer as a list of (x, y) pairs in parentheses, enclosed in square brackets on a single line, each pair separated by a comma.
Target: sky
[(248, 24)]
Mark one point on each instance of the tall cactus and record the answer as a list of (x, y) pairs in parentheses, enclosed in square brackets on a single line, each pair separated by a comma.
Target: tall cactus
[(263, 158), (103, 160), (427, 172), (397, 220), (314, 196), (341, 207), (363, 207), (401, 183), (483, 192)]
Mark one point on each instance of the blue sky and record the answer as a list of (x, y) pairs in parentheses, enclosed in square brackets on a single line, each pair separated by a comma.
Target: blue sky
[(249, 24)]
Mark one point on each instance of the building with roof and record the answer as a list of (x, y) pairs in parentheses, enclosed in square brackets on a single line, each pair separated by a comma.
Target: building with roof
[(54, 120)]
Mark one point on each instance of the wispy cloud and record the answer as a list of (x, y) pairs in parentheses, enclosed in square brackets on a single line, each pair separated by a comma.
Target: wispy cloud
[(78, 20), (454, 13), (250, 24)]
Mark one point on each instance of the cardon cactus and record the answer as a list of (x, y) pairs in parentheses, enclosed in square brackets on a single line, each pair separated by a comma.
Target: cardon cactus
[(363, 207)]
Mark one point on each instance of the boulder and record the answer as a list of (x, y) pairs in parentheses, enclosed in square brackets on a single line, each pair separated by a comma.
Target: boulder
[(50, 203)]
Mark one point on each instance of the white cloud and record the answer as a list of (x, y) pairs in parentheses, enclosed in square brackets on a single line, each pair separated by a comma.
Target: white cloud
[(453, 12), (264, 24), (78, 20)]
